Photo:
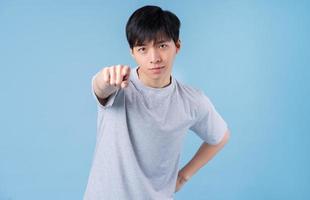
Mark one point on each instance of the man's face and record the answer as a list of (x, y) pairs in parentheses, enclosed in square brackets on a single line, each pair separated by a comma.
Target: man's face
[(156, 59)]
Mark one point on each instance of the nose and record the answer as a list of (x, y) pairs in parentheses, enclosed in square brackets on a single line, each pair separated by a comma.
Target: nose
[(154, 56)]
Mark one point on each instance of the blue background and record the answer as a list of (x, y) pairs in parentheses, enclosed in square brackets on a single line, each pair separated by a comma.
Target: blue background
[(250, 57)]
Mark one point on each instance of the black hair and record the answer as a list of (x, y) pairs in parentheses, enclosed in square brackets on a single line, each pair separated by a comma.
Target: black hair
[(151, 23)]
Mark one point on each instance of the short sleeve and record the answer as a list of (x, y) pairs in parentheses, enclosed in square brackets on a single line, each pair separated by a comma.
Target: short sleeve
[(209, 125), (111, 98)]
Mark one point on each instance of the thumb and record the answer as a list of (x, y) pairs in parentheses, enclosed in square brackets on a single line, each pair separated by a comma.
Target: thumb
[(124, 84)]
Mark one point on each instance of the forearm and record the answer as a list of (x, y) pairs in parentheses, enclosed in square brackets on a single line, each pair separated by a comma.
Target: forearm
[(204, 154)]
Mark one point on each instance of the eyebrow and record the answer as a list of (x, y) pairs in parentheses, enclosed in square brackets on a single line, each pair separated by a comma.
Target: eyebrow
[(158, 42), (162, 41)]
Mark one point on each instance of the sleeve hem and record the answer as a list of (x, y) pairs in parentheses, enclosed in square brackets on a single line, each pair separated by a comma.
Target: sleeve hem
[(218, 139)]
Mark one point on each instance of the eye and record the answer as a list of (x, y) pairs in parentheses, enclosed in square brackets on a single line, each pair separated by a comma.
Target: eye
[(163, 46), (141, 49)]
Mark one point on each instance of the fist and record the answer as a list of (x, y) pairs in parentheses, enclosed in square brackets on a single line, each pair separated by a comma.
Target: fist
[(117, 76)]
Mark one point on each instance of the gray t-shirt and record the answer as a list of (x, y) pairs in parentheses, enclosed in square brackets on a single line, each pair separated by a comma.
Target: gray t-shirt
[(140, 133)]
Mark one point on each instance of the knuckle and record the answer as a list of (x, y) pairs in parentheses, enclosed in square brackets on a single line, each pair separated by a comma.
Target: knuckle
[(112, 83)]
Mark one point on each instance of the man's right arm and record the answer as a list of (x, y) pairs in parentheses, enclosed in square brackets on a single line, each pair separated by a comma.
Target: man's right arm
[(108, 80), (103, 100)]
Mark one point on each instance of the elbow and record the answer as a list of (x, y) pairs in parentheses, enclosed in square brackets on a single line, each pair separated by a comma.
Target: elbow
[(226, 137), (223, 141)]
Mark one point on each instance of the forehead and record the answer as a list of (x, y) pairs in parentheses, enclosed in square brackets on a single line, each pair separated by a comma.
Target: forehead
[(153, 42), (152, 39)]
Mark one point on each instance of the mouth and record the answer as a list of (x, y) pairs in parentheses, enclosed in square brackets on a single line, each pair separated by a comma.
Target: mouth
[(156, 68)]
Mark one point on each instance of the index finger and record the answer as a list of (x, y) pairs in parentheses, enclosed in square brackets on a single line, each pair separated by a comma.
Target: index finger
[(125, 72)]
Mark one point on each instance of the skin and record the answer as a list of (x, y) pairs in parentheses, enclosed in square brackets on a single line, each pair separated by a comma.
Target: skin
[(204, 154), (148, 56), (151, 55)]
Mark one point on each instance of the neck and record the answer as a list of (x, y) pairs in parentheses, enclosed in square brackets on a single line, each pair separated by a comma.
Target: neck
[(154, 83)]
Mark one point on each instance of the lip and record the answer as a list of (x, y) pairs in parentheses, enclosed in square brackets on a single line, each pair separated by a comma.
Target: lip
[(156, 68)]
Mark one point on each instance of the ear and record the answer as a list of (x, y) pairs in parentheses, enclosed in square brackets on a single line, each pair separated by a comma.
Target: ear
[(178, 45)]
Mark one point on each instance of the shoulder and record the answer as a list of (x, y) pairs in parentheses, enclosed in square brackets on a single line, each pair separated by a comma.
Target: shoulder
[(189, 92), (193, 98)]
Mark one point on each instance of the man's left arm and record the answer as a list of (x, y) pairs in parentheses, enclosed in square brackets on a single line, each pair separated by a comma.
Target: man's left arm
[(204, 154)]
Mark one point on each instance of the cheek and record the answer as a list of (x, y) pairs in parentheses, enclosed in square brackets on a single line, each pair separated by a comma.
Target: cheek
[(139, 59), (170, 56)]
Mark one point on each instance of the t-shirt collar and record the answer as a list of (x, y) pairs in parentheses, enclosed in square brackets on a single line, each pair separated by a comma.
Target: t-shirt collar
[(141, 86)]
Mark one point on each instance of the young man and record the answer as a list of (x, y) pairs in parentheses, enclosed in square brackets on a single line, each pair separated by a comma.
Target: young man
[(144, 114)]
